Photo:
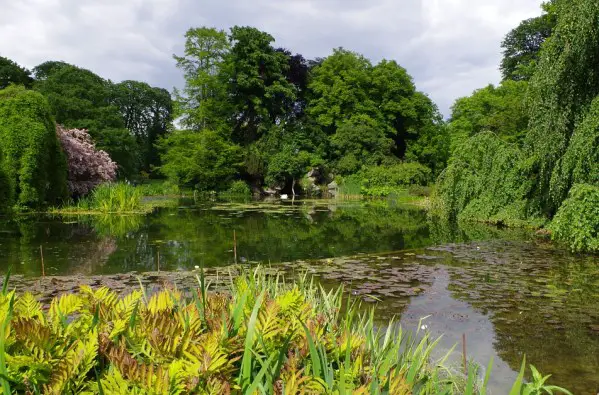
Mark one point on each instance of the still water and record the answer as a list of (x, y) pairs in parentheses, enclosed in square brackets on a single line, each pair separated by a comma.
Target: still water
[(508, 292)]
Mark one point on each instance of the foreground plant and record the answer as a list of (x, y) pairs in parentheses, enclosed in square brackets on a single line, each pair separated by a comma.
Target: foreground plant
[(261, 336)]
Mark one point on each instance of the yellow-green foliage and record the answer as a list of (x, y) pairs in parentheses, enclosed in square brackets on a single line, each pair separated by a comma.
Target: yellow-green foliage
[(262, 336), (32, 161)]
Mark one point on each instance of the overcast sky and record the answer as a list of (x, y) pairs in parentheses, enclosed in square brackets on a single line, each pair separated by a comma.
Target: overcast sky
[(450, 47)]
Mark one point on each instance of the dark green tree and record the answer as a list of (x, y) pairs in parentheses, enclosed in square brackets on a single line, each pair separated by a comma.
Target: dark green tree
[(81, 99), (522, 46), (147, 113), (359, 142), (257, 84), (12, 73)]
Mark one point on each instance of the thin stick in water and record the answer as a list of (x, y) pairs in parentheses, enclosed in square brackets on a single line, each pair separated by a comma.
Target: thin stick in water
[(42, 256), (235, 245), (158, 263)]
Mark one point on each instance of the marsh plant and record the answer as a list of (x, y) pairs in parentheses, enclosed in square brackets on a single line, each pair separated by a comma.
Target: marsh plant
[(261, 336)]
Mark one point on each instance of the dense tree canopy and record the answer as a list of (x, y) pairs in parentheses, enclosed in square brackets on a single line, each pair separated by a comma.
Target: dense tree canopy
[(501, 110), (521, 47), (12, 73)]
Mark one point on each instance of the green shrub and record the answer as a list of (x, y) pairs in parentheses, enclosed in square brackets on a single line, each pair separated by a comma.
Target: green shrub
[(577, 220), (398, 175), (33, 163), (239, 188)]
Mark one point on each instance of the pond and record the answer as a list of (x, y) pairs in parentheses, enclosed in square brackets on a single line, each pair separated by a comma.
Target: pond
[(510, 293)]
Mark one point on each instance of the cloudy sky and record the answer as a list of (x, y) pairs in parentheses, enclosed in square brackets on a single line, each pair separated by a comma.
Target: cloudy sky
[(450, 47)]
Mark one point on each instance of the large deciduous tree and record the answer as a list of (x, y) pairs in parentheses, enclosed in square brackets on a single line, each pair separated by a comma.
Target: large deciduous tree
[(81, 99), (204, 102), (258, 88), (12, 73), (147, 112), (501, 110)]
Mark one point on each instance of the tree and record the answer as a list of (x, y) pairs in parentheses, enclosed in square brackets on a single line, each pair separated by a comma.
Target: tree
[(12, 73), (147, 113), (561, 92), (87, 166), (288, 165), (203, 101), (522, 46), (339, 88), (81, 99), (32, 162), (202, 159), (257, 84), (359, 142), (501, 110)]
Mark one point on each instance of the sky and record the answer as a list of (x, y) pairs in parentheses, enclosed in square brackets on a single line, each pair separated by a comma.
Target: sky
[(450, 47)]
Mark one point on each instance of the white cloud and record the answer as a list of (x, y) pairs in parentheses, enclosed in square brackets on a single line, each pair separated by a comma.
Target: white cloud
[(451, 47)]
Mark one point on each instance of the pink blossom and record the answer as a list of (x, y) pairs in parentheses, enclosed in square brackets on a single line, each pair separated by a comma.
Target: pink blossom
[(87, 166)]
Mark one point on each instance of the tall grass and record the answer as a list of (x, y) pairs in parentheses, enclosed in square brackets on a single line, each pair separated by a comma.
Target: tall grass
[(264, 335)]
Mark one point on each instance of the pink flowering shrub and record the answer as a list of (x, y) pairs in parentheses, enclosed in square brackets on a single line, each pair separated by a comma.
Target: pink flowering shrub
[(87, 166)]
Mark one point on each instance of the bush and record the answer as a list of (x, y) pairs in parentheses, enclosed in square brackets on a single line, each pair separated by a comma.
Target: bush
[(33, 164), (577, 220), (87, 166), (159, 188), (239, 188)]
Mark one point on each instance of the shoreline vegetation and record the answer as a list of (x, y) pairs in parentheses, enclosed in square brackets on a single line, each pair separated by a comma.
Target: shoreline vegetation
[(263, 334)]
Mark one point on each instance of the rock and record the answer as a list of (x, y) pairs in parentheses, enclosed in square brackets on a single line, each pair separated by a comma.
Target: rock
[(333, 188)]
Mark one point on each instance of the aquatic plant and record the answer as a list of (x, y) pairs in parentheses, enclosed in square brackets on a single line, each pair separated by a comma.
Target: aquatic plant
[(263, 335)]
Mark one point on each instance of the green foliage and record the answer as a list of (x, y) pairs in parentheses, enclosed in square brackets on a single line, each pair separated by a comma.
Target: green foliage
[(12, 73), (203, 102), (359, 142), (257, 84), (203, 159), (159, 188), (522, 47), (580, 163), (83, 100), (114, 198), (33, 165), (577, 220), (239, 188), (484, 181), (561, 92), (263, 333), (147, 114), (500, 110), (290, 163), (382, 181)]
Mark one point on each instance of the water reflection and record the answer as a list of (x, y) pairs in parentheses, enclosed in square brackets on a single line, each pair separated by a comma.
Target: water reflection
[(509, 294)]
